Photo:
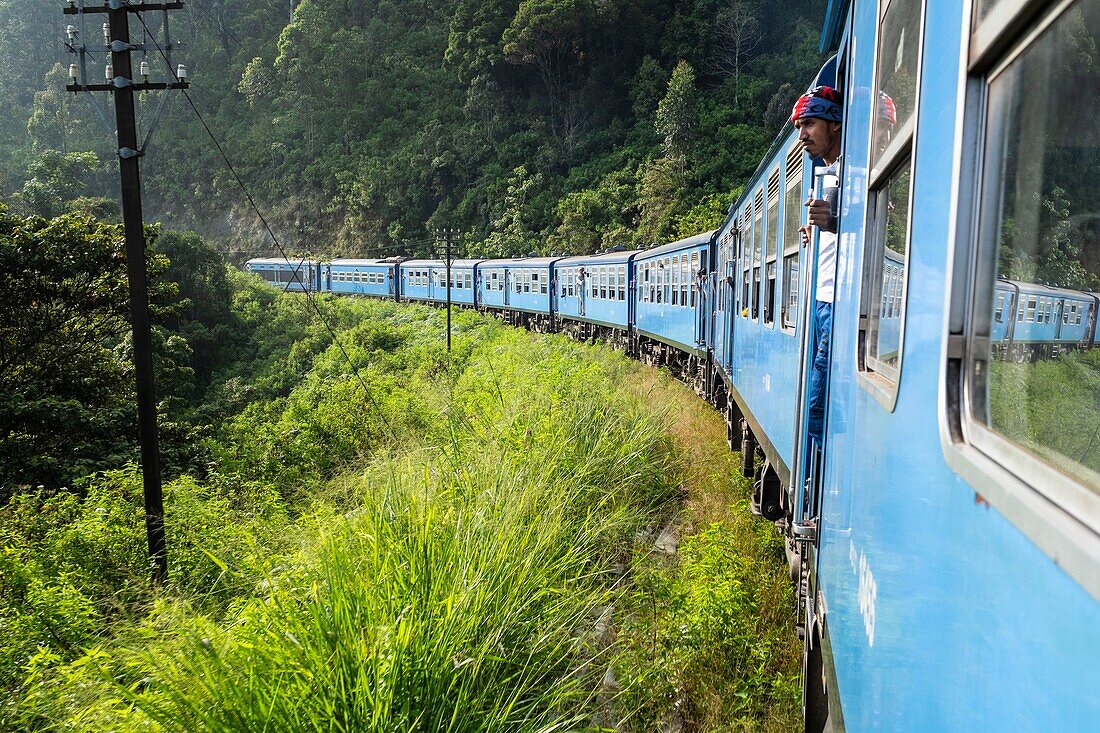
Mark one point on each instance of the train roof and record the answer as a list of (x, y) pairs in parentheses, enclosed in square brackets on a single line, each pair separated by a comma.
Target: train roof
[(1040, 289), (520, 262), (277, 260), (440, 263), (692, 241), (623, 256), (363, 262)]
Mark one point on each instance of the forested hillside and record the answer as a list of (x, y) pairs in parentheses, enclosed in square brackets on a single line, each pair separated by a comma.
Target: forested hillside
[(541, 125)]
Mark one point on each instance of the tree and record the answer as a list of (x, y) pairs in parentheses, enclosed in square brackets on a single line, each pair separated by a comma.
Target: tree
[(64, 367), (511, 233), (677, 115), (55, 179), (553, 36), (736, 38)]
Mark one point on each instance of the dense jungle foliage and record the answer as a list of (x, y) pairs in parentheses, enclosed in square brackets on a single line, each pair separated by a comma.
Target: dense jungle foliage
[(533, 125)]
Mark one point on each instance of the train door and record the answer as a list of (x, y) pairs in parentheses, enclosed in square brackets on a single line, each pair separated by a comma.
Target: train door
[(699, 291), (582, 282), (721, 306), (809, 453), (729, 292), (552, 303)]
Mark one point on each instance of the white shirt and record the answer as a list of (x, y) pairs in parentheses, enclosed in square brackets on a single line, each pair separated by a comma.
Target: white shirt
[(826, 266), (826, 246)]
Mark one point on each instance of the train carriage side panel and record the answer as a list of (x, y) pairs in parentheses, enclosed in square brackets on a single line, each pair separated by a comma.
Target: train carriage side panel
[(666, 292), (595, 288), (758, 311), (928, 580)]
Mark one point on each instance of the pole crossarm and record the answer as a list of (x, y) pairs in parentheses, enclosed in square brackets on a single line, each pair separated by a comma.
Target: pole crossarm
[(119, 83), (133, 7)]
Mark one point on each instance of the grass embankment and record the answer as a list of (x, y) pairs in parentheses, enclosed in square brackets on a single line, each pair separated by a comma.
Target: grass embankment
[(466, 548)]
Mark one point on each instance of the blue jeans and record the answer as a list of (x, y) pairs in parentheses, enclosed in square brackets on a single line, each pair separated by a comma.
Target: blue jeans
[(819, 374)]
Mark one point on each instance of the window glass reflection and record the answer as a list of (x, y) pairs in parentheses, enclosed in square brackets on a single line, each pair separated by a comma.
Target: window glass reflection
[(1038, 383)]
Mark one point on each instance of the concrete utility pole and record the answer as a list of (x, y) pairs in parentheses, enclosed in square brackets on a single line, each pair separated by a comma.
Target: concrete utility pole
[(119, 80)]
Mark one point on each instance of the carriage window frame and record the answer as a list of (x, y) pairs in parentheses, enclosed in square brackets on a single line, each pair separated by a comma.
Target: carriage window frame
[(773, 247), (793, 216), (1059, 514), (881, 379)]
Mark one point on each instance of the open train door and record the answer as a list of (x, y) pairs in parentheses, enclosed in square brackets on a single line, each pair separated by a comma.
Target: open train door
[(805, 490)]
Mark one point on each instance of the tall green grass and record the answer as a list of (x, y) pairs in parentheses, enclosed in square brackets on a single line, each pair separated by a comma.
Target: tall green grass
[(455, 586), (452, 552)]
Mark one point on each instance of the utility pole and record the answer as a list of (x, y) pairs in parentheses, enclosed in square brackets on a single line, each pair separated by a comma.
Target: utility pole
[(119, 80), (446, 235)]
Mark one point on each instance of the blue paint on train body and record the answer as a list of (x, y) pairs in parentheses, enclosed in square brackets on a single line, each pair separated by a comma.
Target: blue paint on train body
[(596, 289), (941, 613), (426, 281), (291, 275), (376, 278), (666, 292), (518, 284)]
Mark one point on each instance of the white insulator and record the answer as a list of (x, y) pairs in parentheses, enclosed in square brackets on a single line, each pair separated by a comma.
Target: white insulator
[(181, 72)]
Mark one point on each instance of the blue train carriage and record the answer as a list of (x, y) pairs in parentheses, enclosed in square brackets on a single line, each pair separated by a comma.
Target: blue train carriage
[(759, 306), (519, 289), (950, 542), (298, 275), (593, 296), (1032, 321), (426, 281), (372, 277), (670, 308)]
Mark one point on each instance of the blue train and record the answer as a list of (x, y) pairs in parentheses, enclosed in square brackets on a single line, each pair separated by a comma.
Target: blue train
[(944, 536)]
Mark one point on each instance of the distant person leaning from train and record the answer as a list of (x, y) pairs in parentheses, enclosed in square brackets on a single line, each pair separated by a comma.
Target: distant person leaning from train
[(817, 115)]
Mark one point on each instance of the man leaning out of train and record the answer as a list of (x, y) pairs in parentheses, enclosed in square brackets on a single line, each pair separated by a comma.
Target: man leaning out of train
[(817, 115)]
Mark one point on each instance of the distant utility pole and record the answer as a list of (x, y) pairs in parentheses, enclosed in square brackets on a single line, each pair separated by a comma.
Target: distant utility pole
[(119, 80), (447, 235)]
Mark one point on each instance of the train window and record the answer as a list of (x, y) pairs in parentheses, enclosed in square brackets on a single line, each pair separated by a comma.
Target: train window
[(694, 276), (772, 246), (890, 250), (1038, 204), (674, 273), (684, 277), (886, 257), (757, 252)]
